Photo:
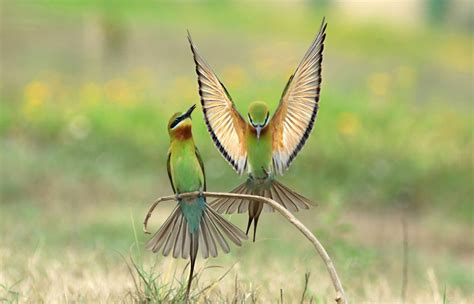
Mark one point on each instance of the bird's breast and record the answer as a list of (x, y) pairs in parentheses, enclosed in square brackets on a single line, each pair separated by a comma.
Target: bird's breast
[(187, 173), (259, 153)]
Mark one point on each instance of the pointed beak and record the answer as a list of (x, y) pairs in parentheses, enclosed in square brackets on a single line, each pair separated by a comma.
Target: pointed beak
[(259, 130), (189, 111)]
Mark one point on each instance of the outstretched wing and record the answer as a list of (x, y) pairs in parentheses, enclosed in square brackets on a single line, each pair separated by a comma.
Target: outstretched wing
[(224, 123), (294, 119)]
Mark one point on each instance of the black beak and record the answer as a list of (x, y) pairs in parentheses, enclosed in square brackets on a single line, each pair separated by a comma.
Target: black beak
[(189, 111)]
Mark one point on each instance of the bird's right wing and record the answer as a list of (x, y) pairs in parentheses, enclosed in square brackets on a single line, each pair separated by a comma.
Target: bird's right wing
[(226, 126)]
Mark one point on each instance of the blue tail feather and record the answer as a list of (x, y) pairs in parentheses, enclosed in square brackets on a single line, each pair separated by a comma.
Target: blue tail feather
[(193, 210)]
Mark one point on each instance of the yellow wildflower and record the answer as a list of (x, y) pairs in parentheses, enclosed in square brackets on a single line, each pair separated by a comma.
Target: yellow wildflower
[(35, 93), (348, 123), (119, 91), (378, 83)]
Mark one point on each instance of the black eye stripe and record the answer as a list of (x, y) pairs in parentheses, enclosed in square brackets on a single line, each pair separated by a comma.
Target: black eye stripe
[(176, 121), (264, 123), (174, 124), (251, 121)]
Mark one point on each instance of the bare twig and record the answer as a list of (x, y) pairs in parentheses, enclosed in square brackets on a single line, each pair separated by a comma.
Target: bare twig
[(153, 206), (340, 295)]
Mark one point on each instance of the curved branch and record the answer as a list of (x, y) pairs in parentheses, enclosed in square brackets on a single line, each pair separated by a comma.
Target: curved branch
[(336, 282), (152, 208)]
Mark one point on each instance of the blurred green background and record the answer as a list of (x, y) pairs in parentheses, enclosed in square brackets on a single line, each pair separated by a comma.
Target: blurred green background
[(87, 88)]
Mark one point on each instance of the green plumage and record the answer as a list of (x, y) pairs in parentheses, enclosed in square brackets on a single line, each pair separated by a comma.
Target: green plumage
[(262, 146), (187, 175), (192, 224), (259, 153), (261, 177)]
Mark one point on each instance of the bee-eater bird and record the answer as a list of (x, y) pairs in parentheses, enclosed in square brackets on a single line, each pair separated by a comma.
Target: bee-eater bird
[(193, 223), (262, 146)]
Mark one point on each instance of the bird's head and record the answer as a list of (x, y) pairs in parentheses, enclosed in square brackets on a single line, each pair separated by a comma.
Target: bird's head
[(180, 123), (259, 116)]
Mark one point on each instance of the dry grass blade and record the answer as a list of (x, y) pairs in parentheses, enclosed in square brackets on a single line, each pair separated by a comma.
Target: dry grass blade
[(306, 282), (340, 295), (202, 291)]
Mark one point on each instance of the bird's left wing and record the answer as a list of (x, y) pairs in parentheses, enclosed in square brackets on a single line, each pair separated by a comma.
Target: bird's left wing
[(294, 119), (201, 164), (168, 168), (223, 121)]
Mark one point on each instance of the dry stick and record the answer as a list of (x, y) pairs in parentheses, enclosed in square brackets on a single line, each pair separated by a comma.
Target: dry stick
[(340, 295)]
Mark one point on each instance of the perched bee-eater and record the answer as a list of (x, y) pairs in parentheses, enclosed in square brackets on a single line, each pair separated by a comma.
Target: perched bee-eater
[(193, 223), (262, 146)]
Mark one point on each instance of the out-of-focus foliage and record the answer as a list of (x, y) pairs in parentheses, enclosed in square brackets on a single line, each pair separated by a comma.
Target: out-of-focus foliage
[(87, 88)]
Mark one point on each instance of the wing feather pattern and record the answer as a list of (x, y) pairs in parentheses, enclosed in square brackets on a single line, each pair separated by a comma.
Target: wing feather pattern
[(294, 119), (223, 121)]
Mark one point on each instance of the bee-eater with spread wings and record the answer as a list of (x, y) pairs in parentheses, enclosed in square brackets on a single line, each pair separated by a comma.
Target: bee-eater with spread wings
[(262, 146), (193, 223)]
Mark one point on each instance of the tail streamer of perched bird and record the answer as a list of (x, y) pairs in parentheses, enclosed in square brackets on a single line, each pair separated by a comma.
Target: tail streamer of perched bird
[(193, 223), (262, 146)]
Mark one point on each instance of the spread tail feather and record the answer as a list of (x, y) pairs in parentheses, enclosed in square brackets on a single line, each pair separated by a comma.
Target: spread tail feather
[(291, 200), (230, 204), (174, 235), (278, 192)]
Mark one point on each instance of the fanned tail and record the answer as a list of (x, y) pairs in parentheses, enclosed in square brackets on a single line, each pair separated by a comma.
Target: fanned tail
[(231, 205), (286, 197), (274, 190), (175, 237), (278, 192)]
